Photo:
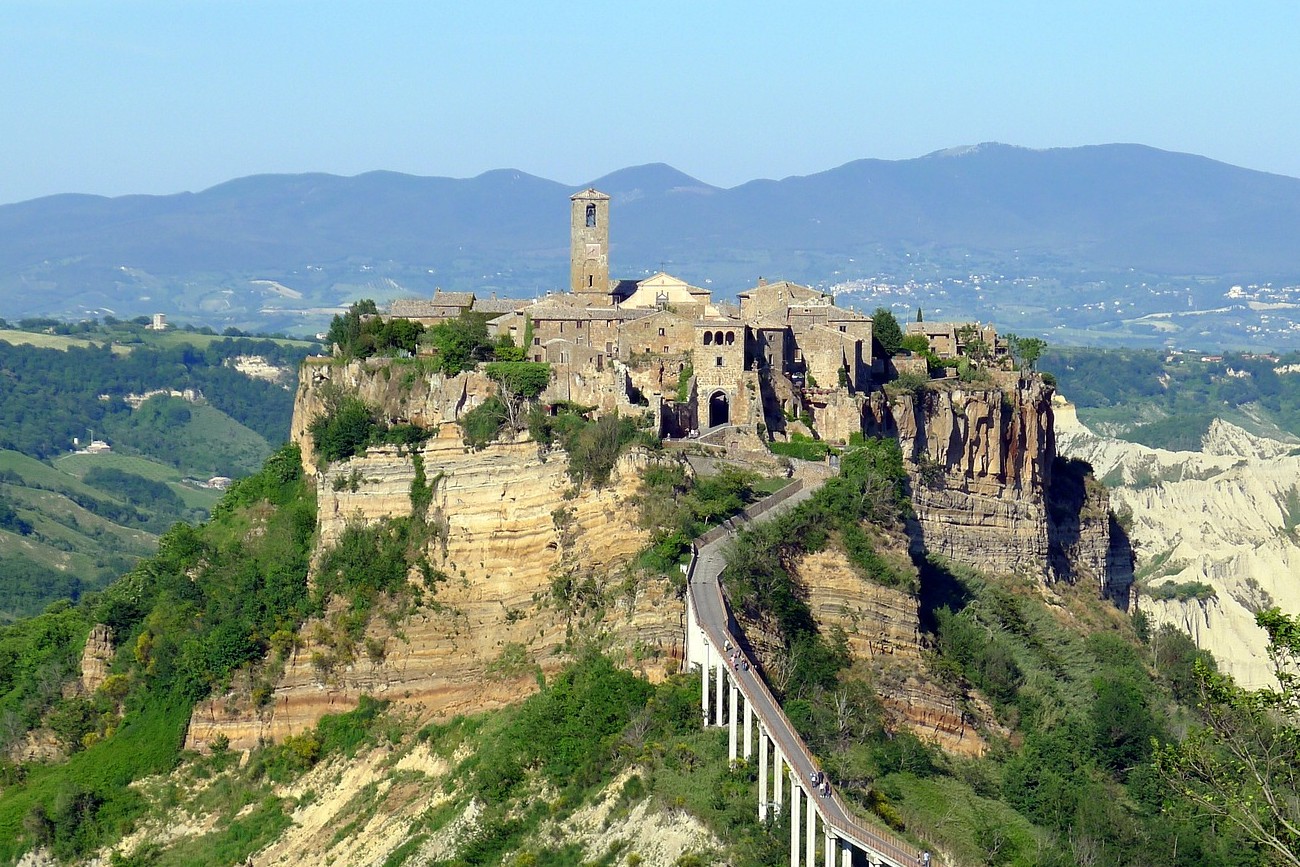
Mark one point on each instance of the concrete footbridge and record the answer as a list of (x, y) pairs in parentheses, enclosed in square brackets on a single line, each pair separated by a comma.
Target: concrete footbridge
[(734, 695)]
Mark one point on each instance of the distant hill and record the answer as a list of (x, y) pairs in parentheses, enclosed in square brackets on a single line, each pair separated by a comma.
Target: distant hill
[(325, 240)]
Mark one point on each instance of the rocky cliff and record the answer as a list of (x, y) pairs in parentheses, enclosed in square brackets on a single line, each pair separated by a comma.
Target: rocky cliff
[(989, 491), (1224, 518), (528, 566), (883, 628)]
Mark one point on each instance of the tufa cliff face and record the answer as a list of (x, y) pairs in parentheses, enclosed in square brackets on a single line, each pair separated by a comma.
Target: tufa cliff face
[(883, 629), (404, 392), (989, 490), (530, 568)]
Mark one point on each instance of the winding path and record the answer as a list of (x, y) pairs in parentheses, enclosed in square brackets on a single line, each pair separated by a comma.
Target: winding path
[(713, 649)]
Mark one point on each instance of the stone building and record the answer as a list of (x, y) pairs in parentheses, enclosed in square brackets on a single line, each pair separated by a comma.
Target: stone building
[(719, 360), (662, 332), (430, 311), (630, 341), (949, 339), (766, 298), (666, 292), (589, 246)]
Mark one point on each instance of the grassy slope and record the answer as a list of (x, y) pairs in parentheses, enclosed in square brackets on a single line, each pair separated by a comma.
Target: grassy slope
[(195, 498), (52, 341)]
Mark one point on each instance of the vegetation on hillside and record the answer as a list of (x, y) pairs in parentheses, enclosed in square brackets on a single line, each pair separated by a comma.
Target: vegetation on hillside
[(52, 396), (1239, 766), (1167, 400), (346, 426), (1070, 776), (211, 600)]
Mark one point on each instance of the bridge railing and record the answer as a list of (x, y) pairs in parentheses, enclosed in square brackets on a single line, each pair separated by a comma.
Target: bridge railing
[(844, 825)]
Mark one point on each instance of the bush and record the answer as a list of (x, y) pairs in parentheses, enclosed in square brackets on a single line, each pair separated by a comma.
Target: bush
[(482, 423), (461, 342), (801, 447), (345, 428), (1182, 592), (908, 382)]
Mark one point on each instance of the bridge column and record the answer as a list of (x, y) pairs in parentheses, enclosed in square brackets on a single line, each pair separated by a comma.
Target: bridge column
[(749, 731), (828, 851), (721, 671), (846, 854), (810, 830), (704, 684), (794, 820), (762, 775), (731, 721), (780, 773)]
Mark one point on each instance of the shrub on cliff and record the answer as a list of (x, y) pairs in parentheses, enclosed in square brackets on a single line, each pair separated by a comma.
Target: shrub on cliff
[(344, 429), (482, 423), (361, 332)]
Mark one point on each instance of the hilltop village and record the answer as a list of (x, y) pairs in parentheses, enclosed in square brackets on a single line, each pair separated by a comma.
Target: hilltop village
[(784, 362)]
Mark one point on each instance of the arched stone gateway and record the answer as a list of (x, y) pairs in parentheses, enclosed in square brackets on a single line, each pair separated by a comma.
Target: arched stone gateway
[(719, 409)]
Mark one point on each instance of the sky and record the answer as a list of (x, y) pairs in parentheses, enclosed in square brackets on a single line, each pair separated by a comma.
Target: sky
[(116, 97)]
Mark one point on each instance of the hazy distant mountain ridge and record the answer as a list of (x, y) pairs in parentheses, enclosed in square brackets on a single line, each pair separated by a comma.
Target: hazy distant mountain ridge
[(1099, 209)]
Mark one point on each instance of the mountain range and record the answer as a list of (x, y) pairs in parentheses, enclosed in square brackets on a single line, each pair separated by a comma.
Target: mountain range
[(269, 250)]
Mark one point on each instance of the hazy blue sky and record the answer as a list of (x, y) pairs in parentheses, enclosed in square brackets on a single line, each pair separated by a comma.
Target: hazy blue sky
[(158, 97)]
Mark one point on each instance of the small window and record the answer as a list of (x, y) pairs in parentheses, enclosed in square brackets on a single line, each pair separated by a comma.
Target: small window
[(579, 325), (731, 337), (708, 338), (661, 332), (590, 280), (842, 329), (591, 216), (718, 362), (537, 341)]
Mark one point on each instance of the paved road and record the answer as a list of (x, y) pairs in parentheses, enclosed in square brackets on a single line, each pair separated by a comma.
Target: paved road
[(711, 611)]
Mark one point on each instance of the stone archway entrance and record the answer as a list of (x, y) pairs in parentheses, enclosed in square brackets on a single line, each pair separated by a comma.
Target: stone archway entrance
[(719, 409)]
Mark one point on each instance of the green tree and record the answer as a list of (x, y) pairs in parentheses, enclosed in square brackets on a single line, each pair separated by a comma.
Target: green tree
[(1241, 765), (401, 334), (519, 381), (885, 328), (345, 328), (461, 342), (1027, 350), (345, 428)]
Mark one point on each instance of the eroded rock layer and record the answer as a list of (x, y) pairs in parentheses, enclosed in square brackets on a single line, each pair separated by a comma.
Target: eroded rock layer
[(988, 490), (882, 625), (518, 552)]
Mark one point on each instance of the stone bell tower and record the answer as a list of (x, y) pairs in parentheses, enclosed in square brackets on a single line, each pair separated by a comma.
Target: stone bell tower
[(589, 251)]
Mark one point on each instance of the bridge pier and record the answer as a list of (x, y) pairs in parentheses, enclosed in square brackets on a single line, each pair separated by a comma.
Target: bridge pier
[(810, 830), (720, 669), (762, 774), (731, 719), (704, 683), (780, 773), (794, 821), (749, 730)]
